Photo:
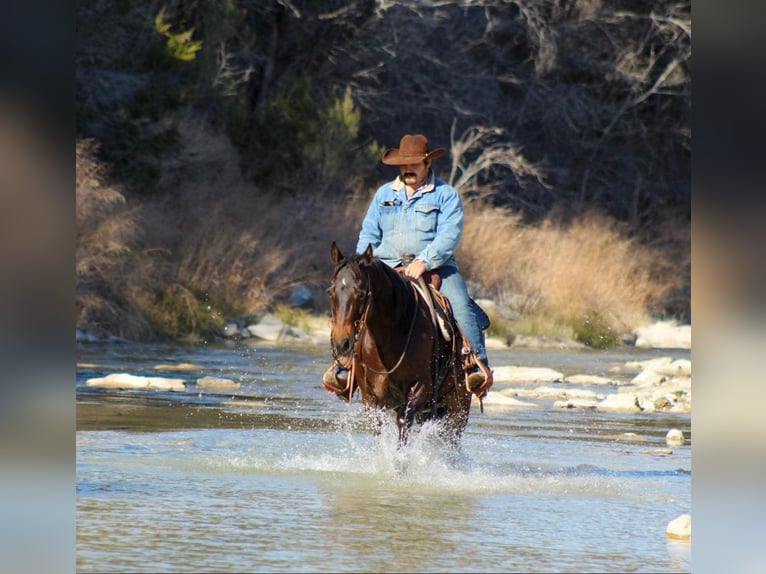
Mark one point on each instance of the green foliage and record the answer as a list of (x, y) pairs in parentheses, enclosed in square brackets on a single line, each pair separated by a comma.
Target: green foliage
[(179, 45), (595, 332), (293, 316), (499, 327), (300, 142), (590, 330), (176, 311), (537, 324)]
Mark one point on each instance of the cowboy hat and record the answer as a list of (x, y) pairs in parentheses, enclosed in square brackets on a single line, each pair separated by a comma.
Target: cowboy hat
[(412, 149)]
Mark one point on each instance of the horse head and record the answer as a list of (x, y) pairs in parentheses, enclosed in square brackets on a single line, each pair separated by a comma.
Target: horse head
[(349, 300)]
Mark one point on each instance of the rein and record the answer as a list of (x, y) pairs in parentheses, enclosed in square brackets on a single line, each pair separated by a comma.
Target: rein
[(406, 343), (361, 327)]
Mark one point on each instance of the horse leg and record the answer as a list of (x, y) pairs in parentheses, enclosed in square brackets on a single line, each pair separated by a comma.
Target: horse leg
[(404, 419), (457, 403), (405, 414)]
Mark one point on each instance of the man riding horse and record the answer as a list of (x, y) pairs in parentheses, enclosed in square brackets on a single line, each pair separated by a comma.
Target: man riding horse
[(415, 222)]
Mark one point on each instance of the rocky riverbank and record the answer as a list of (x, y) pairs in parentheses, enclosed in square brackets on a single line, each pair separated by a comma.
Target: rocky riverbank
[(659, 384)]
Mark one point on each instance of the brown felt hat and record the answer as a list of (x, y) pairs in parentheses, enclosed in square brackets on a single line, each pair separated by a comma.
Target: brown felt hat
[(412, 149)]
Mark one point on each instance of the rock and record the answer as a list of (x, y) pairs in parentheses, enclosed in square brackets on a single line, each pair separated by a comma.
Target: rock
[(511, 374), (589, 380), (662, 404), (216, 383), (269, 328), (680, 528), (648, 378), (576, 404), (233, 329), (495, 343), (178, 367), (301, 297), (675, 436), (620, 402), (664, 335), (546, 392), (649, 364), (678, 368), (127, 381), (496, 399), (82, 336)]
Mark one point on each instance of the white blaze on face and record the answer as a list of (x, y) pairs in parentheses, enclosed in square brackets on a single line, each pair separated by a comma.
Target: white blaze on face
[(343, 282)]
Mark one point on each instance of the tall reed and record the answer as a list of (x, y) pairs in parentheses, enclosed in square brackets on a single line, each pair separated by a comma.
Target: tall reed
[(587, 278)]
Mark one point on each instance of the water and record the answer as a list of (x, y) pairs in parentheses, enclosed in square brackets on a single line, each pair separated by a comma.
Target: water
[(280, 476)]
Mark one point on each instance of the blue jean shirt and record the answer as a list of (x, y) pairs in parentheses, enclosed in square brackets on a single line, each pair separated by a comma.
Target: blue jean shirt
[(428, 224)]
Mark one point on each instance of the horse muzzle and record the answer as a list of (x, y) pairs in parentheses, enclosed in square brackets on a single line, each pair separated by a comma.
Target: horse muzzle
[(342, 350)]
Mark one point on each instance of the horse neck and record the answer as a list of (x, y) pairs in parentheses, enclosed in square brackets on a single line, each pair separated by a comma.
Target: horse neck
[(392, 294)]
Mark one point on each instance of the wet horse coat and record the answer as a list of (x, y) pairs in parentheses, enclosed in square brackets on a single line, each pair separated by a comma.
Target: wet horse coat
[(384, 334)]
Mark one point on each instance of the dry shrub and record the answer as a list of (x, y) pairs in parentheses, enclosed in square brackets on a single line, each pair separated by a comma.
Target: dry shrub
[(588, 274), (237, 249), (107, 230), (247, 258)]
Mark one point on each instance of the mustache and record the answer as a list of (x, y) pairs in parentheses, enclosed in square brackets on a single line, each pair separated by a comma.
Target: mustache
[(408, 174)]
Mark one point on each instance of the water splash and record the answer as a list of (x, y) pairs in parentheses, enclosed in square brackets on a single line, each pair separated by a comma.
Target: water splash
[(352, 455)]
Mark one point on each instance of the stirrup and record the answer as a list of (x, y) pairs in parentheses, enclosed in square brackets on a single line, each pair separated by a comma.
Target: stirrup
[(478, 378)]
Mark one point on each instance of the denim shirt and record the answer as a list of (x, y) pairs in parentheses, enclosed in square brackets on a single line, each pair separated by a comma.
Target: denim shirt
[(428, 224)]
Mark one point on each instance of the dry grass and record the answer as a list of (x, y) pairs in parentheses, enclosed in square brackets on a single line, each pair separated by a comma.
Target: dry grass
[(587, 277), (222, 248), (231, 247), (219, 248), (107, 230)]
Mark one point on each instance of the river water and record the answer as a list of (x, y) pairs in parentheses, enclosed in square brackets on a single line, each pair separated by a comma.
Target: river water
[(280, 476)]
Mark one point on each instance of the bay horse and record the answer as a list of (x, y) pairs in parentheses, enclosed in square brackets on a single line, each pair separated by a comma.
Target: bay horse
[(383, 332)]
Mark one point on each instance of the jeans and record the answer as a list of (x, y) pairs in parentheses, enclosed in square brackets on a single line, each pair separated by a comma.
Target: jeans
[(467, 316)]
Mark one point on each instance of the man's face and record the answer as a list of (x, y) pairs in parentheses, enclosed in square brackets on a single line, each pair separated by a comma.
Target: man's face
[(414, 174)]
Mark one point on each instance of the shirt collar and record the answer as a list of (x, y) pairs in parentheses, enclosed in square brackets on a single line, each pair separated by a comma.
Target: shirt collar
[(427, 186)]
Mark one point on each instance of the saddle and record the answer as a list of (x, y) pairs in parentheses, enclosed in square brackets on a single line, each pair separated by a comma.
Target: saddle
[(428, 286), (441, 315)]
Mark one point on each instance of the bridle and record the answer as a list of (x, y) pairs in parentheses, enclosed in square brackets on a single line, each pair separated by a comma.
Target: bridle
[(360, 328)]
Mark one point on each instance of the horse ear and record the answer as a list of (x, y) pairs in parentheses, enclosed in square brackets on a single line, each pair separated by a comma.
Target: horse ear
[(335, 253), (368, 253)]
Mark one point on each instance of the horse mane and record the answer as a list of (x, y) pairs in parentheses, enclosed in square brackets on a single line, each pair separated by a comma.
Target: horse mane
[(400, 291)]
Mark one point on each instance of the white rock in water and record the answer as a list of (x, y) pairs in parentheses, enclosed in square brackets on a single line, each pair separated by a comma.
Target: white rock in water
[(217, 383), (269, 328), (664, 335), (620, 402), (589, 380), (576, 403), (178, 367), (496, 399), (678, 368), (674, 436), (680, 528), (510, 374), (127, 381)]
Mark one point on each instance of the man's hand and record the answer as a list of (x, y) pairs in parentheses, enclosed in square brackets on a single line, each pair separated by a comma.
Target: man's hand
[(415, 269)]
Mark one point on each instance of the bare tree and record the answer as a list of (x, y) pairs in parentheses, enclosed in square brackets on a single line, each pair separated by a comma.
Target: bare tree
[(479, 154)]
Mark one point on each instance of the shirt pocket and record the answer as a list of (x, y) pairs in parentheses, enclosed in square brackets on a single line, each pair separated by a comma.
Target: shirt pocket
[(425, 217), (388, 215)]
